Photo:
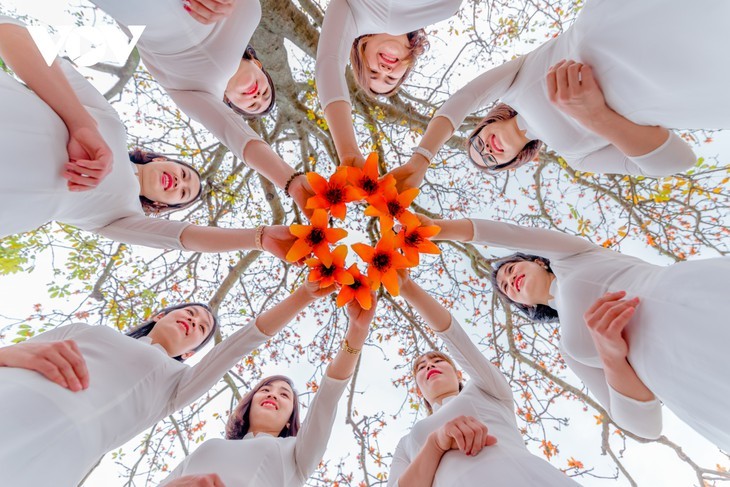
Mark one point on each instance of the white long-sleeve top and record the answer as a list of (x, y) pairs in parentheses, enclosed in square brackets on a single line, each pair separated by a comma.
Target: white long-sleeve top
[(132, 385), (676, 345), (267, 461), (32, 190), (625, 43), (346, 20), (487, 397), (193, 62)]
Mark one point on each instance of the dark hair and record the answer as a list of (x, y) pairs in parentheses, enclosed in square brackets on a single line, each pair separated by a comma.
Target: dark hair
[(239, 422), (142, 157), (250, 55), (145, 328), (498, 113), (433, 354), (539, 312), (418, 41)]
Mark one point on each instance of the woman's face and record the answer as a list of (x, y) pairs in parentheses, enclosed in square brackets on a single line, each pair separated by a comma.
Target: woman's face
[(249, 88), (386, 58), (436, 378), (165, 181), (497, 143), (181, 330), (525, 282), (271, 407)]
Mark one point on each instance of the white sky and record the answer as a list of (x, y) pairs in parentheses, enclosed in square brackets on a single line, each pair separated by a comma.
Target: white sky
[(652, 465)]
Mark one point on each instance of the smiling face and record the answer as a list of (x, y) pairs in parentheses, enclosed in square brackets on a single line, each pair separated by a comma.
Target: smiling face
[(249, 88), (271, 408), (525, 282), (387, 59), (436, 378), (168, 182), (497, 143), (181, 330)]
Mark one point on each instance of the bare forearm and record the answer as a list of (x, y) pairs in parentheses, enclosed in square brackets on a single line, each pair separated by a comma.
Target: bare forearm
[(262, 158), (339, 120), (461, 230), (21, 54), (343, 365), (622, 377), (436, 316), (273, 320), (439, 130), (423, 468), (213, 239), (630, 138)]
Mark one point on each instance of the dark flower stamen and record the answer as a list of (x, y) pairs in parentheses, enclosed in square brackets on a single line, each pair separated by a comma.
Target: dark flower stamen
[(413, 240), (334, 195), (369, 185), (381, 262), (356, 285), (316, 236), (394, 208), (326, 271)]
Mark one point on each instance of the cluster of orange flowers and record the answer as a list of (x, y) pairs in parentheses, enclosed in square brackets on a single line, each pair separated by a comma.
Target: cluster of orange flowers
[(392, 252)]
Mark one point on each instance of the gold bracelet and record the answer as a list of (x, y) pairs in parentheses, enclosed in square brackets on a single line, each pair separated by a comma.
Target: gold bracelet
[(259, 236), (347, 348)]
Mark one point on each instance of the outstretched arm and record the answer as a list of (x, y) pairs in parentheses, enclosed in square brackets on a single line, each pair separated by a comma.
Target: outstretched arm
[(90, 159), (198, 379), (478, 93), (314, 435)]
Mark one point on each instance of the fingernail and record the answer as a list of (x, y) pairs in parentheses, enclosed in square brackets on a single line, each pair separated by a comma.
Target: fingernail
[(186, 7)]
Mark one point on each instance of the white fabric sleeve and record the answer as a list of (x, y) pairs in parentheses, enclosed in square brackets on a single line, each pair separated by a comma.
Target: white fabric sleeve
[(144, 230), (4, 19), (226, 125), (316, 429), (480, 92), (673, 156), (545, 243), (333, 51), (481, 371), (643, 418), (197, 380), (400, 463)]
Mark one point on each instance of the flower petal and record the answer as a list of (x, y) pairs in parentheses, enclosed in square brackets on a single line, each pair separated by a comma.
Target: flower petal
[(408, 219), (339, 254), (428, 247), (364, 298), (345, 296), (407, 197), (428, 231), (412, 256), (317, 201), (333, 235), (319, 219), (300, 231), (322, 251), (343, 277), (339, 211), (370, 169), (365, 251), (298, 250), (390, 281), (317, 182), (374, 276)]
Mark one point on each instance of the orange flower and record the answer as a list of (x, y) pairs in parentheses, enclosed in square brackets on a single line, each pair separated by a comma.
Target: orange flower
[(415, 242), (367, 180), (359, 289), (389, 206), (332, 195), (327, 275), (383, 262), (314, 238)]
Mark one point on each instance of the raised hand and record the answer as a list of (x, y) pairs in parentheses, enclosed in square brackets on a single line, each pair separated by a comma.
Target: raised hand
[(574, 91), (313, 290), (410, 174), (208, 480), (90, 159), (464, 433), (606, 319), (353, 159), (209, 11), (277, 240), (60, 362), (360, 318), (301, 191)]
